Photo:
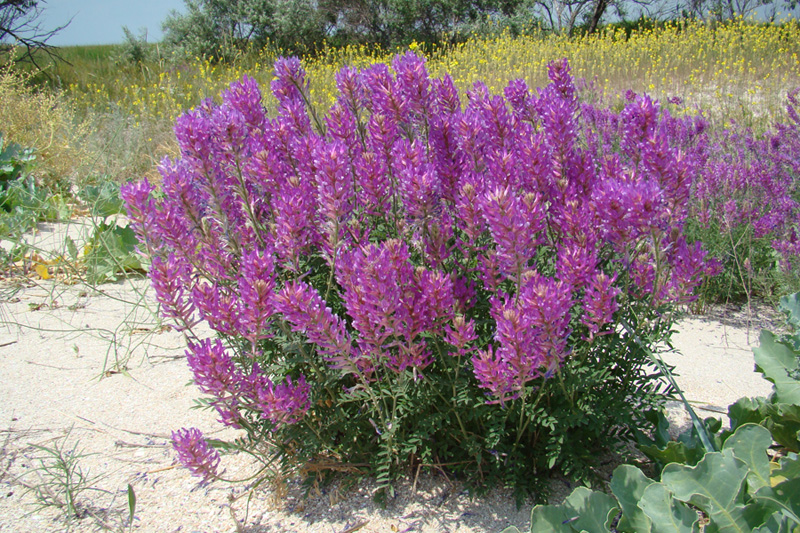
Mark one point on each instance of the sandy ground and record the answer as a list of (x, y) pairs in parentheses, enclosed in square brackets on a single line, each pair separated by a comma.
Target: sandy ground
[(92, 372)]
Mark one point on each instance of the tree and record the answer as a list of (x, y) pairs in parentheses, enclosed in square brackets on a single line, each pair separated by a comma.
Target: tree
[(223, 28), (20, 26)]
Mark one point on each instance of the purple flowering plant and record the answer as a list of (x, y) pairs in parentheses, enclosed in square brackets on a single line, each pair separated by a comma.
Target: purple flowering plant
[(746, 208), (419, 278), (744, 199)]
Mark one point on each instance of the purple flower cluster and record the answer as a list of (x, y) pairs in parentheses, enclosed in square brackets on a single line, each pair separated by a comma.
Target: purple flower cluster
[(195, 454), (404, 208), (218, 375), (751, 181)]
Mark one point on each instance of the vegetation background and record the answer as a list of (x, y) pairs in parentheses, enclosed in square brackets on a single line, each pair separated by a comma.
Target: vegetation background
[(80, 121)]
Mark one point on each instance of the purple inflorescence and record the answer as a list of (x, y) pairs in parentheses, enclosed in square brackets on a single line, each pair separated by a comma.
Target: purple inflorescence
[(195, 454), (417, 207)]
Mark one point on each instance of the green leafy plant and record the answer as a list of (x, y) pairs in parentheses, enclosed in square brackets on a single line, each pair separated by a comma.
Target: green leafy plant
[(736, 487), (15, 162), (778, 360), (22, 202), (103, 199), (110, 253)]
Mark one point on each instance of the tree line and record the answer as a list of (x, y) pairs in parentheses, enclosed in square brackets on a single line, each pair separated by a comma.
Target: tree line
[(219, 27)]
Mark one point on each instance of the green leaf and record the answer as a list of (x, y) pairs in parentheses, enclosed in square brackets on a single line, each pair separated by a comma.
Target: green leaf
[(784, 497), (788, 468), (784, 423), (104, 199), (111, 252), (714, 486), (747, 410), (674, 452), (661, 434), (788, 493), (131, 504), (72, 249), (550, 518), (790, 305), (593, 510), (749, 443), (583, 510), (776, 523), (628, 484), (667, 514), (778, 362)]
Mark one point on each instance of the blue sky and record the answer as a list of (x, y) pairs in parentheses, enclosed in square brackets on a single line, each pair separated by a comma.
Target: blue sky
[(101, 21)]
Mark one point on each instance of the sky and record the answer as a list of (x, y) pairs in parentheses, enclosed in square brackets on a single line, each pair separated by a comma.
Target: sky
[(101, 21)]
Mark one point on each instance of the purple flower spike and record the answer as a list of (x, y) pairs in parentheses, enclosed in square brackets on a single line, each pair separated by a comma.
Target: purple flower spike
[(413, 82), (195, 454), (256, 286), (495, 375), (213, 369), (515, 223), (461, 334), (170, 279), (305, 310), (286, 403), (351, 87), (245, 97), (600, 302), (290, 80)]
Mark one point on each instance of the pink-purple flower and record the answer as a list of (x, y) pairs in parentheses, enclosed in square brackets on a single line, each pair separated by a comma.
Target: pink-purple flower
[(195, 454)]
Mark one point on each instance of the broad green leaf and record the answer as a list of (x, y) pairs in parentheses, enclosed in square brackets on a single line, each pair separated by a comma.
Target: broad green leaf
[(713, 486), (790, 304), (788, 493), (111, 252), (788, 468), (749, 443), (778, 362), (747, 410), (784, 498), (667, 514), (776, 523), (660, 432), (593, 511), (673, 452), (550, 518), (628, 484), (784, 424)]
